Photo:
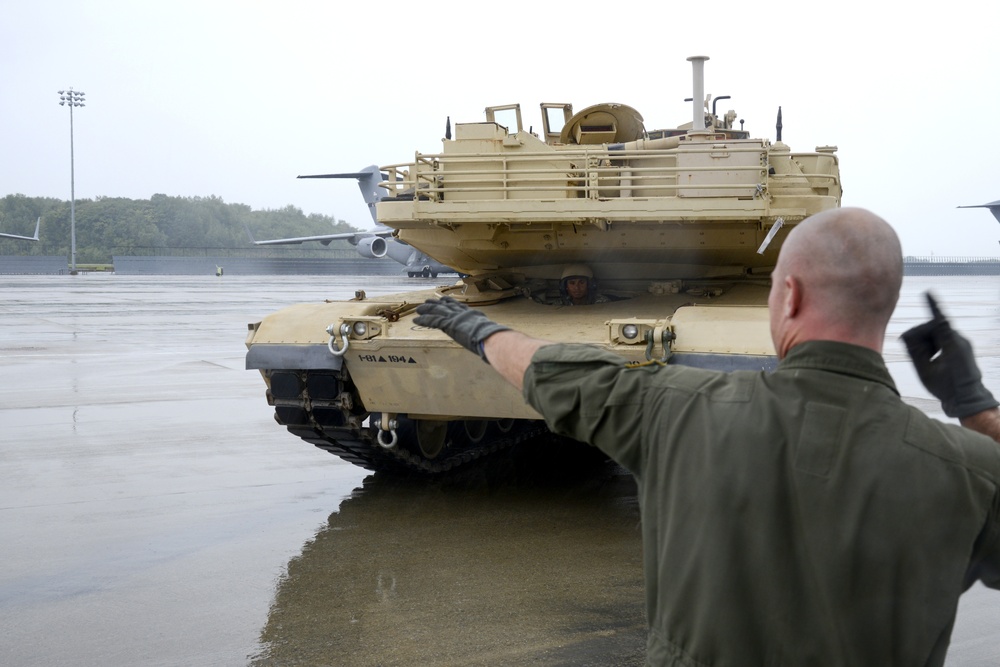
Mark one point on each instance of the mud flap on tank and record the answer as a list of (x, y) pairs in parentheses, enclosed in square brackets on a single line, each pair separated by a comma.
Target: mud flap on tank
[(264, 356)]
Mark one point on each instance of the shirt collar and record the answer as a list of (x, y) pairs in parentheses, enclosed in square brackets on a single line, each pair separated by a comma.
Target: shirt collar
[(835, 357)]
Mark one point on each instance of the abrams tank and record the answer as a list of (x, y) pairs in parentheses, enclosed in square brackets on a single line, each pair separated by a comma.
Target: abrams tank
[(677, 229)]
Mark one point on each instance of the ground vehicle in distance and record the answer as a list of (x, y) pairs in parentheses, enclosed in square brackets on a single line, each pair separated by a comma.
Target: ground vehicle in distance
[(680, 226)]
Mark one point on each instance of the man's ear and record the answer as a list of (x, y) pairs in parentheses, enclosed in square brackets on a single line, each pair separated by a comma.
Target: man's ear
[(793, 297)]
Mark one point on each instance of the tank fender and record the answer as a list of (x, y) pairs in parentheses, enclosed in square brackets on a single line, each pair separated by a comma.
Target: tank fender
[(729, 330)]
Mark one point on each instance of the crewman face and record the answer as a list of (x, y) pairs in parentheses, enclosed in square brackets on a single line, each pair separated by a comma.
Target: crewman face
[(577, 287)]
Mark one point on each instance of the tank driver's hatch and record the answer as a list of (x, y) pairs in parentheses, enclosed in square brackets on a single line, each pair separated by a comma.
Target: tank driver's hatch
[(603, 124)]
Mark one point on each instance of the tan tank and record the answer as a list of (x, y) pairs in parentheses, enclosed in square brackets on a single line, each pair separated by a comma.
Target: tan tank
[(678, 228)]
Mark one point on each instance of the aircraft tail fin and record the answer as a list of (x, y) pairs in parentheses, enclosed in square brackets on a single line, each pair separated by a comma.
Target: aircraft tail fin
[(994, 207), (368, 180)]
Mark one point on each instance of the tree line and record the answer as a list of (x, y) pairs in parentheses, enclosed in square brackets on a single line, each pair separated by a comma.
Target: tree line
[(162, 224)]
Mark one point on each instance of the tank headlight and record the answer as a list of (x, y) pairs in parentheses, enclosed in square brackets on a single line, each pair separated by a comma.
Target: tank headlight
[(364, 327), (630, 331)]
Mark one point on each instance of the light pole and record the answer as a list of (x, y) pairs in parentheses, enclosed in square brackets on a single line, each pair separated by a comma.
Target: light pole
[(74, 98)]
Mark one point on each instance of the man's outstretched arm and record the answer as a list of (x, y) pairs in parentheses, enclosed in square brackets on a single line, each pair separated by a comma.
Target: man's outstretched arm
[(510, 353)]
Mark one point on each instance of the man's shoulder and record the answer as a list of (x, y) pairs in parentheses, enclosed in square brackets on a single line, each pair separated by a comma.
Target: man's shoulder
[(715, 385), (953, 443)]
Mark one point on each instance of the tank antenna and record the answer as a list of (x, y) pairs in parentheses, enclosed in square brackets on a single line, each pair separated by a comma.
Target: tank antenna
[(778, 126), (698, 97), (447, 128)]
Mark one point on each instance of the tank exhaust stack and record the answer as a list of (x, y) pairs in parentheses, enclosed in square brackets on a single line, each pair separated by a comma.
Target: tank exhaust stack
[(698, 96)]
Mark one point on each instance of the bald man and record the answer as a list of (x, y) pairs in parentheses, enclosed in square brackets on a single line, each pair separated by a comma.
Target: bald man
[(801, 517)]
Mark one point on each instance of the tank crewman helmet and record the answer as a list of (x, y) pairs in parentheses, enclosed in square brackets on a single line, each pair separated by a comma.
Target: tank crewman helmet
[(577, 271)]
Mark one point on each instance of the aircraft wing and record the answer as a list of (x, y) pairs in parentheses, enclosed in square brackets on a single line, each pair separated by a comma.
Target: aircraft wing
[(351, 237), (325, 239), (38, 224)]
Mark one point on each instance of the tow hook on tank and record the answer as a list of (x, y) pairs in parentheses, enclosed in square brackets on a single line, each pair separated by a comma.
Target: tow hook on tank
[(391, 424), (345, 329), (666, 337), (361, 328)]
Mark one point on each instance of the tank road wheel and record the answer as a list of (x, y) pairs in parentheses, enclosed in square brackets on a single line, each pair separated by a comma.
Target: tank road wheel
[(424, 438), (475, 429), (432, 436), (504, 425)]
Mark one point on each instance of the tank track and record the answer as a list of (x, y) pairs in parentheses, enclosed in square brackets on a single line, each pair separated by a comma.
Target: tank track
[(322, 408)]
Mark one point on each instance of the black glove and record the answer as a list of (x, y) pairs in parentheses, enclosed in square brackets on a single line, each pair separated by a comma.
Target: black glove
[(469, 328), (952, 375)]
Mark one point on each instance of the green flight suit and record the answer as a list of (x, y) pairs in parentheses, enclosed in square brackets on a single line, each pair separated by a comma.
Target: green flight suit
[(802, 517)]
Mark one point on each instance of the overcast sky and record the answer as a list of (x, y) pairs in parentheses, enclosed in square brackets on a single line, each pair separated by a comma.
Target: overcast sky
[(235, 99)]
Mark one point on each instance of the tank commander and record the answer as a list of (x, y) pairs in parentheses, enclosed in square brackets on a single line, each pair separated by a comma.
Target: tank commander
[(577, 286), (801, 517)]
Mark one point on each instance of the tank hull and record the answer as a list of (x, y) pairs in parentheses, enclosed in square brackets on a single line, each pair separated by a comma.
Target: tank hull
[(448, 406)]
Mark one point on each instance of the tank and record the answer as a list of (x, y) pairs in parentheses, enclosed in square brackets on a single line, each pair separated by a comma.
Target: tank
[(677, 228)]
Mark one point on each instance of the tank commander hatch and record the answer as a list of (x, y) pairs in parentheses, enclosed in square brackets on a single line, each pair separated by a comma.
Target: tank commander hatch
[(806, 516), (577, 286)]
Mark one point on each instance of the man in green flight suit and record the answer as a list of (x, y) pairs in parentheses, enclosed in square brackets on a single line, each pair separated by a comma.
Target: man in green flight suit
[(802, 517)]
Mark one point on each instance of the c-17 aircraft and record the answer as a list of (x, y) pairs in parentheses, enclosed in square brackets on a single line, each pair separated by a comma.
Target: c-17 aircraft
[(38, 224), (377, 243)]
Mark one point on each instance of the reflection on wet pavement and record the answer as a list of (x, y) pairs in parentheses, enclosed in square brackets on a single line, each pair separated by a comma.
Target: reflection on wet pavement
[(152, 512), (540, 566)]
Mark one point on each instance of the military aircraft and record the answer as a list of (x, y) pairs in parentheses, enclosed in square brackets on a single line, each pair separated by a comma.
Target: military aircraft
[(994, 207), (38, 223), (377, 243)]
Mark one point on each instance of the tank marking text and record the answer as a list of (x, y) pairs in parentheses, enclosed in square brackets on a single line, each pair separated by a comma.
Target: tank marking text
[(387, 359)]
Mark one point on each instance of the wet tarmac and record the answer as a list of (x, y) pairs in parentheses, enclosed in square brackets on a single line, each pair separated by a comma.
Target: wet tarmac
[(152, 512)]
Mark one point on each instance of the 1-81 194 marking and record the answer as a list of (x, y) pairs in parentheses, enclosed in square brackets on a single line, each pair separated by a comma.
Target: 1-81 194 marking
[(386, 359)]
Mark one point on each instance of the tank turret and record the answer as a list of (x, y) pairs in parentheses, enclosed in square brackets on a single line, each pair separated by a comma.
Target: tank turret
[(679, 229)]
